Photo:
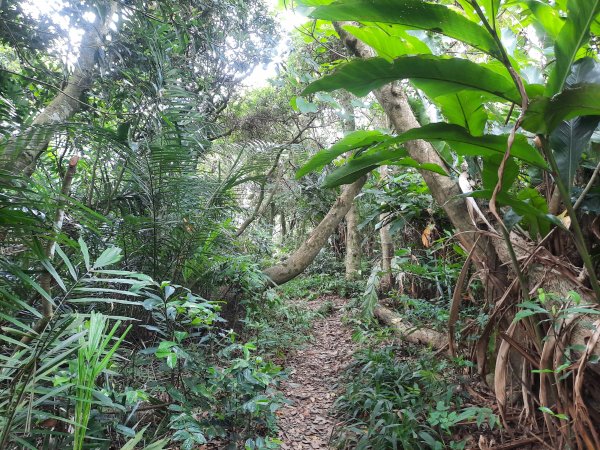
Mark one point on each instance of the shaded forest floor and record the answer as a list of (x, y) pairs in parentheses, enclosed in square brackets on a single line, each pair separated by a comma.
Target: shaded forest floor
[(315, 373)]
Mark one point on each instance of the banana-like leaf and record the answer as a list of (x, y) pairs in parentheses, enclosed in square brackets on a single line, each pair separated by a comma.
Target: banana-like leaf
[(390, 41), (569, 141), (449, 74), (354, 140), (545, 114), (489, 175), (465, 144), (490, 8), (357, 167), (547, 17), (458, 137), (572, 137), (463, 108), (415, 14), (574, 34)]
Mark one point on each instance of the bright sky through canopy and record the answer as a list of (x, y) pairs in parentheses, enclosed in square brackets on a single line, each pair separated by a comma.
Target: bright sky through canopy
[(287, 18)]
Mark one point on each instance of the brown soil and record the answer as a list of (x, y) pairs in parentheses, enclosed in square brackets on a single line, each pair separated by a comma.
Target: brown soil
[(312, 386)]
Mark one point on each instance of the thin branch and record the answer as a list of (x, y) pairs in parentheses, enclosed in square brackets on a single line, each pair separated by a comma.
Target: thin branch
[(587, 188)]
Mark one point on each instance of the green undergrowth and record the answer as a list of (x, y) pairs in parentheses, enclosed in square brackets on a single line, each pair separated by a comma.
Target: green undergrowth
[(281, 321), (320, 285), (400, 396), (398, 399), (432, 313), (278, 325), (153, 365)]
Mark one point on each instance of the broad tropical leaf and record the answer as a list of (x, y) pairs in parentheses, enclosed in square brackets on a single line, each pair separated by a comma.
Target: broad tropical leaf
[(465, 108), (489, 175), (574, 34), (569, 140), (545, 114), (415, 14), (465, 144), (490, 8), (357, 139), (357, 167), (547, 17), (363, 164), (389, 41), (449, 74)]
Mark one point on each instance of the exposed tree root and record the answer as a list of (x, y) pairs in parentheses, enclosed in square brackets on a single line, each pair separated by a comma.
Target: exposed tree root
[(410, 332)]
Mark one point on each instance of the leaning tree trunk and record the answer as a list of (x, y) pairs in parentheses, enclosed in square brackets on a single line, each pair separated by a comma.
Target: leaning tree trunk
[(22, 152), (298, 261), (232, 309)]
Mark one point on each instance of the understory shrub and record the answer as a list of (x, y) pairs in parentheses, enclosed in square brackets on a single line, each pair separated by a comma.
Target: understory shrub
[(396, 403)]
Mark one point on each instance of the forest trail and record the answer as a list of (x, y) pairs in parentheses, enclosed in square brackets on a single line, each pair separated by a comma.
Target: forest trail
[(312, 386)]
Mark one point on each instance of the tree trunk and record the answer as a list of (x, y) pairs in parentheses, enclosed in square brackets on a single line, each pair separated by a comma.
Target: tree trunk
[(410, 332), (306, 253), (352, 260), (22, 152), (353, 253), (387, 245), (282, 224)]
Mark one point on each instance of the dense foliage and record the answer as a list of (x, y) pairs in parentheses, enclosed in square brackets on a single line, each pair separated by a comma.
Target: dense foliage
[(149, 194)]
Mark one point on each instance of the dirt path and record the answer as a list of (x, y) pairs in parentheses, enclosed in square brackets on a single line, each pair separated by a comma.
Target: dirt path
[(315, 372)]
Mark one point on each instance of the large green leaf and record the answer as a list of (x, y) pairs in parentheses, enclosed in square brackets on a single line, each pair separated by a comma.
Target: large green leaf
[(568, 142), (354, 140), (458, 137), (450, 74), (363, 164), (465, 144), (490, 8), (574, 34), (463, 108), (489, 175), (572, 137), (415, 14), (357, 167), (389, 41), (545, 114), (547, 17)]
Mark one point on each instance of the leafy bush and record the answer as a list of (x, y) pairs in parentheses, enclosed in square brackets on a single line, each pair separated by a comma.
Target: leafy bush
[(318, 285), (68, 367), (277, 325), (407, 404)]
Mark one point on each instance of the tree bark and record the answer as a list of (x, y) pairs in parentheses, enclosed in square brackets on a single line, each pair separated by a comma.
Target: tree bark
[(22, 152), (408, 331), (387, 245), (352, 260), (306, 253), (353, 253)]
